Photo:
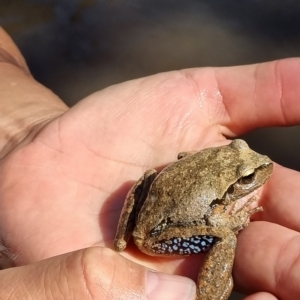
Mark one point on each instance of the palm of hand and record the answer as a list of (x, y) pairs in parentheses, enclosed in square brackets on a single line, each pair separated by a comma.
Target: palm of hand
[(66, 187), (64, 190)]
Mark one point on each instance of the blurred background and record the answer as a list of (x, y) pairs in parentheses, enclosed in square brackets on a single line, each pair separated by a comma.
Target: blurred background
[(76, 47)]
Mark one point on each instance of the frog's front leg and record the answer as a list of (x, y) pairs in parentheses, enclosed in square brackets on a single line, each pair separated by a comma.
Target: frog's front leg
[(131, 208), (215, 278), (185, 154), (237, 219)]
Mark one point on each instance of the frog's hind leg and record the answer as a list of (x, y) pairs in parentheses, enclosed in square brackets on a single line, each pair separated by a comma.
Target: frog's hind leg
[(131, 208), (215, 278)]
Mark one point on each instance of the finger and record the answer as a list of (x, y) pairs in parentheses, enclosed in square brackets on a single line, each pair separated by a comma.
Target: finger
[(267, 259), (9, 53), (246, 97), (261, 296), (279, 198), (259, 95), (25, 104), (94, 273), (189, 105)]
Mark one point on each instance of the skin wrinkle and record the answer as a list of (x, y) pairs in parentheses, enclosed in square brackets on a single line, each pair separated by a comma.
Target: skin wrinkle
[(151, 149), (10, 51), (11, 295), (32, 129), (6, 250), (24, 126), (225, 111), (255, 102), (190, 79), (51, 148), (52, 291), (149, 90), (223, 127), (114, 275), (202, 140), (279, 86), (85, 276), (254, 89), (182, 124), (7, 59), (13, 255), (98, 187), (196, 89), (186, 128), (59, 133), (126, 163), (46, 288), (219, 92), (280, 280), (277, 277), (225, 131), (16, 291), (158, 91)]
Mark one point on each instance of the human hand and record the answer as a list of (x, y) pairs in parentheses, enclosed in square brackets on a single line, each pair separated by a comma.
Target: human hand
[(67, 182), (93, 273)]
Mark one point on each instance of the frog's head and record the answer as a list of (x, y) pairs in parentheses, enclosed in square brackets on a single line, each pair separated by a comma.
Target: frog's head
[(252, 172)]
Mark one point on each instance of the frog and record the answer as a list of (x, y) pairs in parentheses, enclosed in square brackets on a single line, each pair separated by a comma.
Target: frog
[(197, 204)]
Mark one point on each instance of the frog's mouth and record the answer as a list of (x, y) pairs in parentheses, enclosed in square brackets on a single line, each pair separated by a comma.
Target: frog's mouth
[(250, 200)]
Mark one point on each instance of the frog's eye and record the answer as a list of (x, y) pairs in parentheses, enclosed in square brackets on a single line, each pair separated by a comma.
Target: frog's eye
[(247, 179), (230, 190)]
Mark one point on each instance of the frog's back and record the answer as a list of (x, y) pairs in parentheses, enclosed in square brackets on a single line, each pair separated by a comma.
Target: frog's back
[(201, 175), (184, 190)]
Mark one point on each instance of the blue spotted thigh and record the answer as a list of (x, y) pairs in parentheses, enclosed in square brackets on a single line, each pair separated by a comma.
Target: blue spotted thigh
[(184, 246)]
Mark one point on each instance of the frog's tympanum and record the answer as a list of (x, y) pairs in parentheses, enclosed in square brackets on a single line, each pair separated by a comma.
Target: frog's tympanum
[(196, 204)]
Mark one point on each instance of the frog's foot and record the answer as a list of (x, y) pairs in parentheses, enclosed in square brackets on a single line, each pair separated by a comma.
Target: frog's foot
[(133, 203), (241, 216), (185, 154), (204, 293), (245, 204), (250, 207), (247, 218)]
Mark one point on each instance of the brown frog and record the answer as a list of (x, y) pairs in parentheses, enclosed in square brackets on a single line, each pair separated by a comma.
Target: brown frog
[(197, 204)]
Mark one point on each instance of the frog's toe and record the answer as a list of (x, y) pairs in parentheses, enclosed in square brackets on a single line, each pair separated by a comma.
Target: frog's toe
[(120, 244)]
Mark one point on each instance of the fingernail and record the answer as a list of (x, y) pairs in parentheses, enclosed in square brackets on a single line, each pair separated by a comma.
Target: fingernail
[(161, 286)]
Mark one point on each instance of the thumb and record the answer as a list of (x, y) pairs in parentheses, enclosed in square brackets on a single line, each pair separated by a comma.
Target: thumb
[(261, 296), (93, 273)]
